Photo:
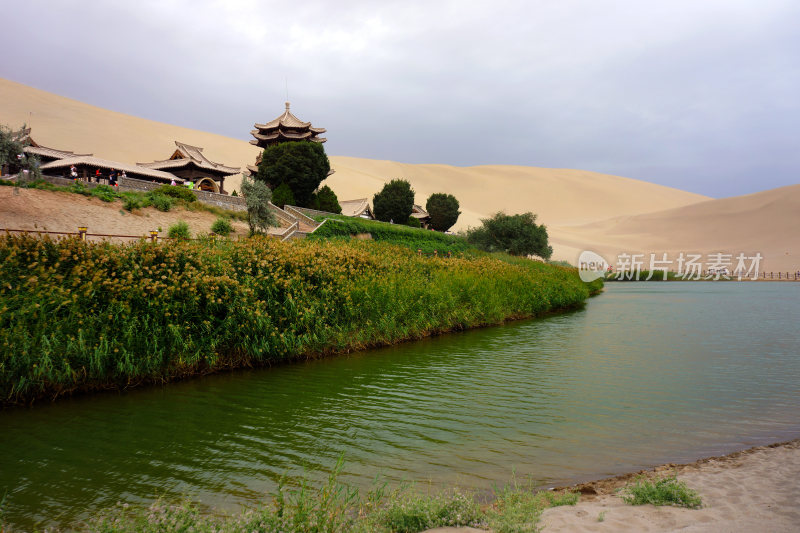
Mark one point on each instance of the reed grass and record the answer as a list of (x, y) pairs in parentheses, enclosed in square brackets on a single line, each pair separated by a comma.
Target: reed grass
[(337, 508), (83, 316)]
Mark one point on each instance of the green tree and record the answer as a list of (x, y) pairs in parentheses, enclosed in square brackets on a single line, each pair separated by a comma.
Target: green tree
[(300, 165), (12, 145), (257, 197), (282, 195), (325, 200), (395, 202), (515, 234), (443, 209)]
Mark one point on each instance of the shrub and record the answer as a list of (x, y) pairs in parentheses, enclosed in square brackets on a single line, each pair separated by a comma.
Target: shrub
[(104, 192), (395, 202), (160, 202), (177, 192), (179, 230), (222, 226), (132, 200), (514, 234), (257, 197), (76, 187), (282, 195), (413, 222), (234, 193), (666, 491), (408, 512), (443, 209)]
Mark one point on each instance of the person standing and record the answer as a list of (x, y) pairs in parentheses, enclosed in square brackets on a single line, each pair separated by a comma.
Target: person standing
[(112, 177), (73, 172)]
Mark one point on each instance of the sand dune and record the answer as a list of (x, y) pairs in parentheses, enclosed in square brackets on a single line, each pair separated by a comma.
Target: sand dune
[(563, 197), (766, 222), (582, 209)]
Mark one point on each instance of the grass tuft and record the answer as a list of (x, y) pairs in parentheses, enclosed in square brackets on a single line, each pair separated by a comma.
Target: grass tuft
[(666, 491)]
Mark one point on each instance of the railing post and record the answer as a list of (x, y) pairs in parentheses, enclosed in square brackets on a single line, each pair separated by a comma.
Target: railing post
[(82, 232), (154, 236), (419, 251)]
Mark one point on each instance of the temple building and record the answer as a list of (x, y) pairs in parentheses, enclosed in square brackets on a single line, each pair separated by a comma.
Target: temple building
[(285, 128), (188, 163)]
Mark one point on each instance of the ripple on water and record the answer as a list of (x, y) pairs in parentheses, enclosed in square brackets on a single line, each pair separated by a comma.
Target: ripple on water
[(647, 373)]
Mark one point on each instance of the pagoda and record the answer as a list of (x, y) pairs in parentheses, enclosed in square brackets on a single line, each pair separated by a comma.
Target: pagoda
[(286, 127)]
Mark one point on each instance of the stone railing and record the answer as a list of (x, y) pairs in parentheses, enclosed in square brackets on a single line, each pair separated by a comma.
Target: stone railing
[(283, 217), (298, 213)]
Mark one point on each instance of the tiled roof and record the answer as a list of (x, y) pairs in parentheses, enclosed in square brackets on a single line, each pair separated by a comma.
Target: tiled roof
[(418, 212), (106, 164), (186, 155), (354, 208), (288, 120), (50, 152), (288, 127)]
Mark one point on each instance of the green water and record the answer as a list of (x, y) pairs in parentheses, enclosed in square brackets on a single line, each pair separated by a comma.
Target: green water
[(647, 373)]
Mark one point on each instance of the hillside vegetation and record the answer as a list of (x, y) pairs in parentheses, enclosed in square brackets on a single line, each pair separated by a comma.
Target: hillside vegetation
[(77, 316), (426, 241)]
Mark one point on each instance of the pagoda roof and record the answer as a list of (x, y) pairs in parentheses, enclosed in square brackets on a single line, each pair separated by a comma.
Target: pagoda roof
[(286, 127), (288, 120), (188, 155), (277, 135)]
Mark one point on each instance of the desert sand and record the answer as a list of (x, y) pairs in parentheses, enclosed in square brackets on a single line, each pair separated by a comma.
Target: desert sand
[(744, 492), (754, 490), (582, 209), (35, 210)]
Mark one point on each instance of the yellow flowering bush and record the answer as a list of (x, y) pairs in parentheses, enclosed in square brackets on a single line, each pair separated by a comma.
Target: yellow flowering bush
[(77, 316)]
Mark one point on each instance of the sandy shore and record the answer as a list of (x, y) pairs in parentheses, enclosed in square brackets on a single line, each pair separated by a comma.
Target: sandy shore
[(749, 491)]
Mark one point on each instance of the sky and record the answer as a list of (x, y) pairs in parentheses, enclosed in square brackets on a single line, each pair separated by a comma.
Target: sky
[(699, 95)]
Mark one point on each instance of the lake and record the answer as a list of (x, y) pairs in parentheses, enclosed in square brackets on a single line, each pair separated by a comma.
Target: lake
[(647, 373)]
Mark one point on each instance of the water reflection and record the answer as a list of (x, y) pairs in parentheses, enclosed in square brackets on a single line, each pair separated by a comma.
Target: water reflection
[(647, 373)]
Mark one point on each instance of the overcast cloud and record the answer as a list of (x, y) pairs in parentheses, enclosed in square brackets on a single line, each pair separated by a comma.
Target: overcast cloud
[(702, 96)]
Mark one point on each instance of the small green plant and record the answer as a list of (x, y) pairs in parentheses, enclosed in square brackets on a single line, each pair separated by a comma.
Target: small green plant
[(234, 193), (179, 230), (601, 517), (161, 202), (517, 508), (222, 226), (413, 222), (131, 201), (77, 187), (179, 193), (105, 193), (406, 511), (665, 491)]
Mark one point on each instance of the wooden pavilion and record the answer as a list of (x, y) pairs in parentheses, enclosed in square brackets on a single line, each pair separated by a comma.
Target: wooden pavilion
[(188, 163), (285, 128)]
